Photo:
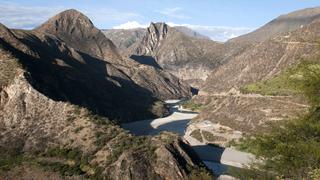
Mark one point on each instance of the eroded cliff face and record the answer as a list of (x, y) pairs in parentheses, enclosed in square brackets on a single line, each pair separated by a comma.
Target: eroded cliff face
[(178, 53)]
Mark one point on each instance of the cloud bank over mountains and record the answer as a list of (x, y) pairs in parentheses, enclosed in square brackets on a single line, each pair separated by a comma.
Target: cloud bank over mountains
[(14, 15), (217, 33)]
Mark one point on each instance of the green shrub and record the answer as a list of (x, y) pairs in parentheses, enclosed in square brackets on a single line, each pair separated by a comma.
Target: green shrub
[(192, 105), (63, 169), (65, 153), (210, 137), (201, 174), (8, 161), (295, 80)]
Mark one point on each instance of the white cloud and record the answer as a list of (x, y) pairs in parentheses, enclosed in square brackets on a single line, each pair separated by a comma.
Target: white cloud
[(16, 16), (173, 12), (217, 33), (131, 25)]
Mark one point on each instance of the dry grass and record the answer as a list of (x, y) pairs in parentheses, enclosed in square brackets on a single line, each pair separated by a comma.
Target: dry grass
[(9, 67)]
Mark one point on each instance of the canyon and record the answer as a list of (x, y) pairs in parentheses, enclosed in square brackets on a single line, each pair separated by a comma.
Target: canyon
[(78, 102)]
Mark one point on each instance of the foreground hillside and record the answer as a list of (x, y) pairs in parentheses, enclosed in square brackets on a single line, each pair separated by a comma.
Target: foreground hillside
[(63, 90)]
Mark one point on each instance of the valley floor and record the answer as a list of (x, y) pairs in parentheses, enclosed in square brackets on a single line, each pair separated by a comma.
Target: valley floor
[(216, 158)]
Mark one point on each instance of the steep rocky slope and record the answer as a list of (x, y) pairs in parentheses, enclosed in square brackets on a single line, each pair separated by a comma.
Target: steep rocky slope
[(189, 32), (257, 57), (282, 24), (60, 102), (187, 57), (78, 32), (124, 38), (266, 59), (73, 141)]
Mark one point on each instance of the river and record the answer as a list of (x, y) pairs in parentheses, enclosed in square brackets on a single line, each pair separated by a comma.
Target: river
[(216, 158)]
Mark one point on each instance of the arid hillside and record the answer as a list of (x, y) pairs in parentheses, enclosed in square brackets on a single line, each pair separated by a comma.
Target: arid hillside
[(250, 89), (64, 88)]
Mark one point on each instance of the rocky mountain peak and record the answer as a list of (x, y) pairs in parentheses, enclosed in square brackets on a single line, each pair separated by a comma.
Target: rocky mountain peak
[(5, 32), (70, 21), (159, 29), (78, 32), (156, 32)]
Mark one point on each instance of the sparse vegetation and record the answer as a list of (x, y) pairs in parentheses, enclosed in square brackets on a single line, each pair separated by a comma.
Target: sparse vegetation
[(8, 161), (133, 144), (192, 105), (291, 149), (210, 137), (201, 174), (289, 82), (158, 108), (197, 135), (9, 67)]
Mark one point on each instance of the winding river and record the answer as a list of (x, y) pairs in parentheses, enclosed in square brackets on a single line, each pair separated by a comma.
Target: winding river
[(216, 158)]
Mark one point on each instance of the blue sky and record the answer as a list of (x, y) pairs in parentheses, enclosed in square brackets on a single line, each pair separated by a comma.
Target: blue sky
[(235, 16)]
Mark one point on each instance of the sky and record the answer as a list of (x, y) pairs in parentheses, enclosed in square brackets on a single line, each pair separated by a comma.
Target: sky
[(218, 19)]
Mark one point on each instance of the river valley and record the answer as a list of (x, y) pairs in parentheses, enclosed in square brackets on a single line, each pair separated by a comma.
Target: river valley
[(218, 159)]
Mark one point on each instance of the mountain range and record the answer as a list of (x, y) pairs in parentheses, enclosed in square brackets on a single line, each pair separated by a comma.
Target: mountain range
[(64, 89), (66, 86)]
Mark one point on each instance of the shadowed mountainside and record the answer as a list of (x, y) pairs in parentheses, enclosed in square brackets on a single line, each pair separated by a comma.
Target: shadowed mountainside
[(78, 32), (63, 90)]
